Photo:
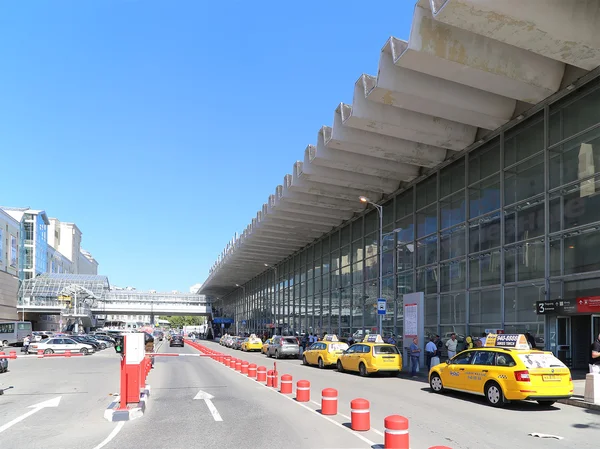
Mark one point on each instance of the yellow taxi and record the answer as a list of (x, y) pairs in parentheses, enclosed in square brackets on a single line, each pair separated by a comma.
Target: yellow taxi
[(265, 345), (324, 353), (252, 343), (373, 355), (505, 369)]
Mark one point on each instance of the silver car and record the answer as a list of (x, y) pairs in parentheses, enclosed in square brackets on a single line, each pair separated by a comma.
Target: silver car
[(284, 347), (59, 345)]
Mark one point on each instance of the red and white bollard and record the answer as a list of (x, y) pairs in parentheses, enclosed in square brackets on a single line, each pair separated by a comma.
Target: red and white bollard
[(396, 432), (245, 367), (275, 379), (67, 353), (360, 414), (270, 378), (286, 384), (238, 365), (40, 353), (232, 363), (303, 391), (329, 401), (252, 370), (226, 360), (261, 374)]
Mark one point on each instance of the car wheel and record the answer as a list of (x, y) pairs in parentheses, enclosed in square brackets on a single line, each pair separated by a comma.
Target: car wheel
[(304, 361), (339, 366), (435, 382), (277, 354), (5, 343), (362, 370), (84, 351), (321, 364), (546, 404), (102, 346), (48, 351), (494, 395)]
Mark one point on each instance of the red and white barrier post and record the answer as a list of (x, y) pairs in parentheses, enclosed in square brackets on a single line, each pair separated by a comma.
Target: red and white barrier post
[(252, 370), (261, 374), (238, 365), (134, 353), (245, 367), (270, 376), (329, 401), (286, 384), (360, 414), (303, 391), (396, 432)]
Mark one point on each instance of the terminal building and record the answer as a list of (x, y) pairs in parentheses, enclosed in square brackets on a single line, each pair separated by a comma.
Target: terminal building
[(478, 142)]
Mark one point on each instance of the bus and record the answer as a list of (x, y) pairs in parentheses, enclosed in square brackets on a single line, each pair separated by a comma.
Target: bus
[(13, 332)]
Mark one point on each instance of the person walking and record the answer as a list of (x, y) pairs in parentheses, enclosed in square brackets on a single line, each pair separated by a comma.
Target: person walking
[(430, 351), (451, 345), (26, 342), (415, 353), (595, 357)]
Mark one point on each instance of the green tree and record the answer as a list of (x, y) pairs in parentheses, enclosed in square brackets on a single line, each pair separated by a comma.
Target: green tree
[(180, 321)]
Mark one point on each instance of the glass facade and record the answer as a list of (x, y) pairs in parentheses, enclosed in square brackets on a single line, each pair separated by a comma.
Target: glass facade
[(515, 221)]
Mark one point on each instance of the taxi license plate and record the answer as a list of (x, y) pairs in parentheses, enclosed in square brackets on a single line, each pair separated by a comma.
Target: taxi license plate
[(550, 378)]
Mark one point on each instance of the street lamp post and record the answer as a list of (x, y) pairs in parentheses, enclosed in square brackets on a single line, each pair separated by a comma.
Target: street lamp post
[(243, 299), (364, 199)]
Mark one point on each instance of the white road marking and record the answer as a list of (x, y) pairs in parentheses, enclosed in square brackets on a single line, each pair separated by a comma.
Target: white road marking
[(207, 398), (113, 434), (34, 409), (352, 432)]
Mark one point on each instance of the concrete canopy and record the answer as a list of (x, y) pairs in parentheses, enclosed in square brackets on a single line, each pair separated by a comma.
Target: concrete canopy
[(467, 68)]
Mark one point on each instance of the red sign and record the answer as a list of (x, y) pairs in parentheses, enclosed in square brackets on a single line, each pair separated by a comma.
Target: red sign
[(588, 304)]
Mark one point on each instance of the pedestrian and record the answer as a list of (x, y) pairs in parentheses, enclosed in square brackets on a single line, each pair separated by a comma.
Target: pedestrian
[(530, 340), (595, 356), (451, 345), (415, 353), (483, 338), (392, 340), (26, 341), (430, 350)]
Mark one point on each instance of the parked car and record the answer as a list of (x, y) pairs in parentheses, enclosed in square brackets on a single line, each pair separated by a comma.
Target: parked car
[(59, 345), (110, 342), (176, 340), (84, 339), (237, 342), (284, 347), (159, 335)]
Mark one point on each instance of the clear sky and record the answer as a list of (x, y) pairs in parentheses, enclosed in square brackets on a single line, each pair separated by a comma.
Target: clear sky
[(161, 127)]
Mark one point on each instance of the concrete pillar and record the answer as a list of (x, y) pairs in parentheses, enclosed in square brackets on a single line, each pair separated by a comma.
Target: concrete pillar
[(478, 61), (566, 31)]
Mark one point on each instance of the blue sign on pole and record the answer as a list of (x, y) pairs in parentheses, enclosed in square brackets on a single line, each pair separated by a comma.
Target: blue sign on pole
[(381, 306)]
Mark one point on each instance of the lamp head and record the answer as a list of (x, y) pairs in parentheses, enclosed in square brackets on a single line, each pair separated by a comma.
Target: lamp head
[(363, 199)]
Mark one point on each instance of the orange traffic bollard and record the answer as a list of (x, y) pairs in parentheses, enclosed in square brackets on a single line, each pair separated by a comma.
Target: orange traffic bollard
[(252, 370), (275, 379), (360, 414), (40, 353), (67, 353), (286, 384), (329, 401), (238, 365), (270, 378), (396, 432), (232, 363), (244, 367), (261, 374), (303, 391)]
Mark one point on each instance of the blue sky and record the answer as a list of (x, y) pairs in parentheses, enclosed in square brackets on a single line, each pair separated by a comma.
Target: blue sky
[(161, 127)]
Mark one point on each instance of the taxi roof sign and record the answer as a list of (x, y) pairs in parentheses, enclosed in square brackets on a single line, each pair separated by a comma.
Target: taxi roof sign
[(514, 341), (330, 338), (373, 338), (253, 336)]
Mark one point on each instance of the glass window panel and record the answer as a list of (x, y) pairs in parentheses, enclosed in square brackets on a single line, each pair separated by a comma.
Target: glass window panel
[(568, 117), (389, 241), (303, 258), (405, 282), (484, 233), (524, 180), (371, 244), (427, 251), (452, 210), (405, 230), (452, 178), (484, 161), (345, 235), (335, 279), (576, 159), (524, 261), (388, 215), (431, 310), (581, 252), (484, 197), (555, 254), (405, 256), (453, 275), (335, 259), (452, 243), (346, 277), (427, 192), (372, 268), (427, 221), (334, 240), (404, 204), (484, 269), (485, 307), (524, 140), (357, 251), (388, 262), (519, 304), (325, 246), (575, 207), (524, 221), (309, 254), (427, 279), (453, 308), (372, 222), (357, 229), (357, 272), (345, 255)]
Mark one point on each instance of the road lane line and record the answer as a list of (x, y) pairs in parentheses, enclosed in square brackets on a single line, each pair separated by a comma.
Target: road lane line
[(213, 410), (34, 409), (113, 434), (352, 432)]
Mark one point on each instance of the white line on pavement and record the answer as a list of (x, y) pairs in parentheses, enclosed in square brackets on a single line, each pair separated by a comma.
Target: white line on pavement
[(34, 409), (207, 398), (113, 434)]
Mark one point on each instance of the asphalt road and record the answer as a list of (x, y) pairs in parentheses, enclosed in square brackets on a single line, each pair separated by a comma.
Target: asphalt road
[(459, 421)]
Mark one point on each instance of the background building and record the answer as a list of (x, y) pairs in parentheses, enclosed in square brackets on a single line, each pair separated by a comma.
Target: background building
[(9, 266)]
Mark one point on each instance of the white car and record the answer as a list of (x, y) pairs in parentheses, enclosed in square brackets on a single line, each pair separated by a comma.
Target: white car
[(59, 345)]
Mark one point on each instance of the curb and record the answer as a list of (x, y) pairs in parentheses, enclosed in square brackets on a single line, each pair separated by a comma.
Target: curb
[(134, 411), (579, 403)]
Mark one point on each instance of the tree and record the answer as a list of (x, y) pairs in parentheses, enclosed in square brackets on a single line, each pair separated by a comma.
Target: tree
[(180, 321)]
